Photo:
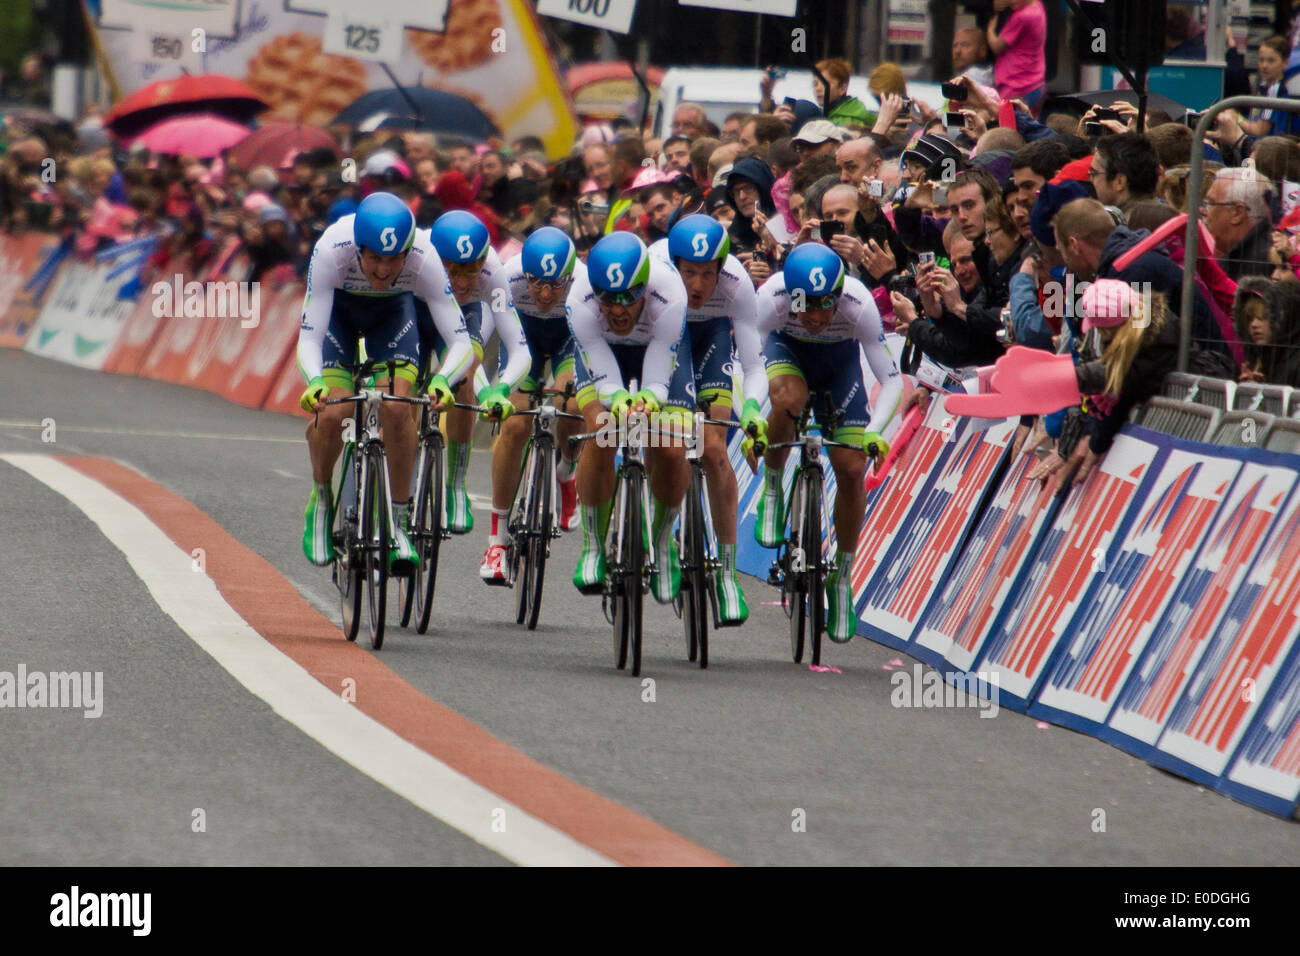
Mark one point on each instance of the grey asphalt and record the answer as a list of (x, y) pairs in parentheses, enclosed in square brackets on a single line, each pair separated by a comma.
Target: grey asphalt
[(732, 758)]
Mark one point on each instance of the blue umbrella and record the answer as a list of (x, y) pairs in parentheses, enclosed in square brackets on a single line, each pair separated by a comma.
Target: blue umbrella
[(418, 107)]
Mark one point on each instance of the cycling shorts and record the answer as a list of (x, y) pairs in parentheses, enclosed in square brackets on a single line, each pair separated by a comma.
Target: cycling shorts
[(547, 339), (387, 323), (712, 358), (681, 384), (827, 368), (431, 342)]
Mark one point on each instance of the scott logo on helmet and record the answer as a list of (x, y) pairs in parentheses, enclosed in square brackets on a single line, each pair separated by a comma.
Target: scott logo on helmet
[(388, 239), (817, 277), (464, 246), (548, 264), (614, 274), (700, 244)]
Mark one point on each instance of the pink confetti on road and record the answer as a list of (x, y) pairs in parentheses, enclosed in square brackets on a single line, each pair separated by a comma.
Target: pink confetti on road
[(821, 669), (897, 662), (1042, 725)]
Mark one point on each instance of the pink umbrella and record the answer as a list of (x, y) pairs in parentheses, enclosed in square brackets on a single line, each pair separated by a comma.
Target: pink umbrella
[(201, 135)]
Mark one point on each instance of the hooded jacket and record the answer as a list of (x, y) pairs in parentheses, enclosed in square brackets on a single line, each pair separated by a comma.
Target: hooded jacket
[(1165, 277), (750, 169)]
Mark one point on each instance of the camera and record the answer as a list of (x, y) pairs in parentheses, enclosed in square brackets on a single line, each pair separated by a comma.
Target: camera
[(589, 208), (954, 120), (875, 188), (1105, 113), (939, 195), (1191, 119), (1006, 335), (954, 91), (1093, 129), (831, 228), (925, 258), (905, 284)]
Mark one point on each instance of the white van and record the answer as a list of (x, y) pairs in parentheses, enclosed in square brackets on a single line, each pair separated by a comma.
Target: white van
[(723, 90)]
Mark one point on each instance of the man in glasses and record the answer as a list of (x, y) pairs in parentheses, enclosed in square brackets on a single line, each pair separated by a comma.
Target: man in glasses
[(816, 321), (539, 279), (628, 318)]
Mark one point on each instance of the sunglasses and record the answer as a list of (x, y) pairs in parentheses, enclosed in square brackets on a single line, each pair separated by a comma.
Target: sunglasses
[(630, 297), (539, 283), (815, 303)]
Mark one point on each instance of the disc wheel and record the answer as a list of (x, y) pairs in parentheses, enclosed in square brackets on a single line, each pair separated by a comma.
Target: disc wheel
[(348, 566), (428, 530), (375, 538)]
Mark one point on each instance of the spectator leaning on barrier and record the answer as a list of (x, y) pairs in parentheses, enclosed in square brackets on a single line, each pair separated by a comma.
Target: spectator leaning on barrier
[(1235, 211)]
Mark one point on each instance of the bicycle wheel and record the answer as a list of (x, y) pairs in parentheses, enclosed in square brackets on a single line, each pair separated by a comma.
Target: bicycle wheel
[(406, 583), (375, 539), (695, 576), (795, 575), (539, 529), (620, 526), (428, 529), (815, 594), (520, 510), (348, 566), (633, 577)]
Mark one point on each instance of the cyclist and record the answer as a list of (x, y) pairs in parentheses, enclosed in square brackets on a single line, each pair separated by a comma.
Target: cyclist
[(538, 279), (628, 316), (720, 301), (815, 320), (472, 267), (366, 272)]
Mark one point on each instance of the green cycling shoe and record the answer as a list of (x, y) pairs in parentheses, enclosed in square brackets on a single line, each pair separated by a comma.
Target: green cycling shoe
[(841, 616), (317, 535)]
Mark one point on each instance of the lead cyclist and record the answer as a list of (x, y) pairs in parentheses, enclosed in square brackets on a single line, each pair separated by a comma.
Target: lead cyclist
[(365, 272)]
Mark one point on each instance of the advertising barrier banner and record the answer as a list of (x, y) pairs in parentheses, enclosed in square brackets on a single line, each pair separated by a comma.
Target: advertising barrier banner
[(958, 620), (1078, 544), (1110, 628), (82, 316), (20, 256)]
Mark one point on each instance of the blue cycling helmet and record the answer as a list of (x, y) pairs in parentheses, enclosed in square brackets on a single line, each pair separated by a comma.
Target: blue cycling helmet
[(698, 238), (815, 273), (460, 236), (619, 262), (383, 224), (548, 254)]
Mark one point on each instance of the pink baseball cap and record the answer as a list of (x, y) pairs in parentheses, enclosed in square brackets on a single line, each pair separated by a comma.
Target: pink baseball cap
[(1107, 303)]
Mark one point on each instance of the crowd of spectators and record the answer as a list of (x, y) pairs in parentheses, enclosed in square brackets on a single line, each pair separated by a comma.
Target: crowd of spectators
[(963, 234)]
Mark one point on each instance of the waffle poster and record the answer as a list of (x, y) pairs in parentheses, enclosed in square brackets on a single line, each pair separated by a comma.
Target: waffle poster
[(492, 52)]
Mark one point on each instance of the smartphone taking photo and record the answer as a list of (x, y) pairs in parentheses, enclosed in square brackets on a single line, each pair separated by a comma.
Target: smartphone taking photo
[(954, 91), (831, 228)]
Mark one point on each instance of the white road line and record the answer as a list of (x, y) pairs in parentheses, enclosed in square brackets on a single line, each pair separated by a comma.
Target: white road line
[(194, 603), (155, 433)]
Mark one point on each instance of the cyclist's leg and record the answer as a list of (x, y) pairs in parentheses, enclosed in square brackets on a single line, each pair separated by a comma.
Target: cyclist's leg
[(711, 354), (669, 474), (507, 454), (325, 435), (566, 459), (460, 437), (788, 392), (595, 483), (844, 382), (396, 337)]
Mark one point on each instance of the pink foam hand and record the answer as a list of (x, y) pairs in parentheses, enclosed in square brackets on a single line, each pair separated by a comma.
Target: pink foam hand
[(1166, 229), (1025, 382)]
